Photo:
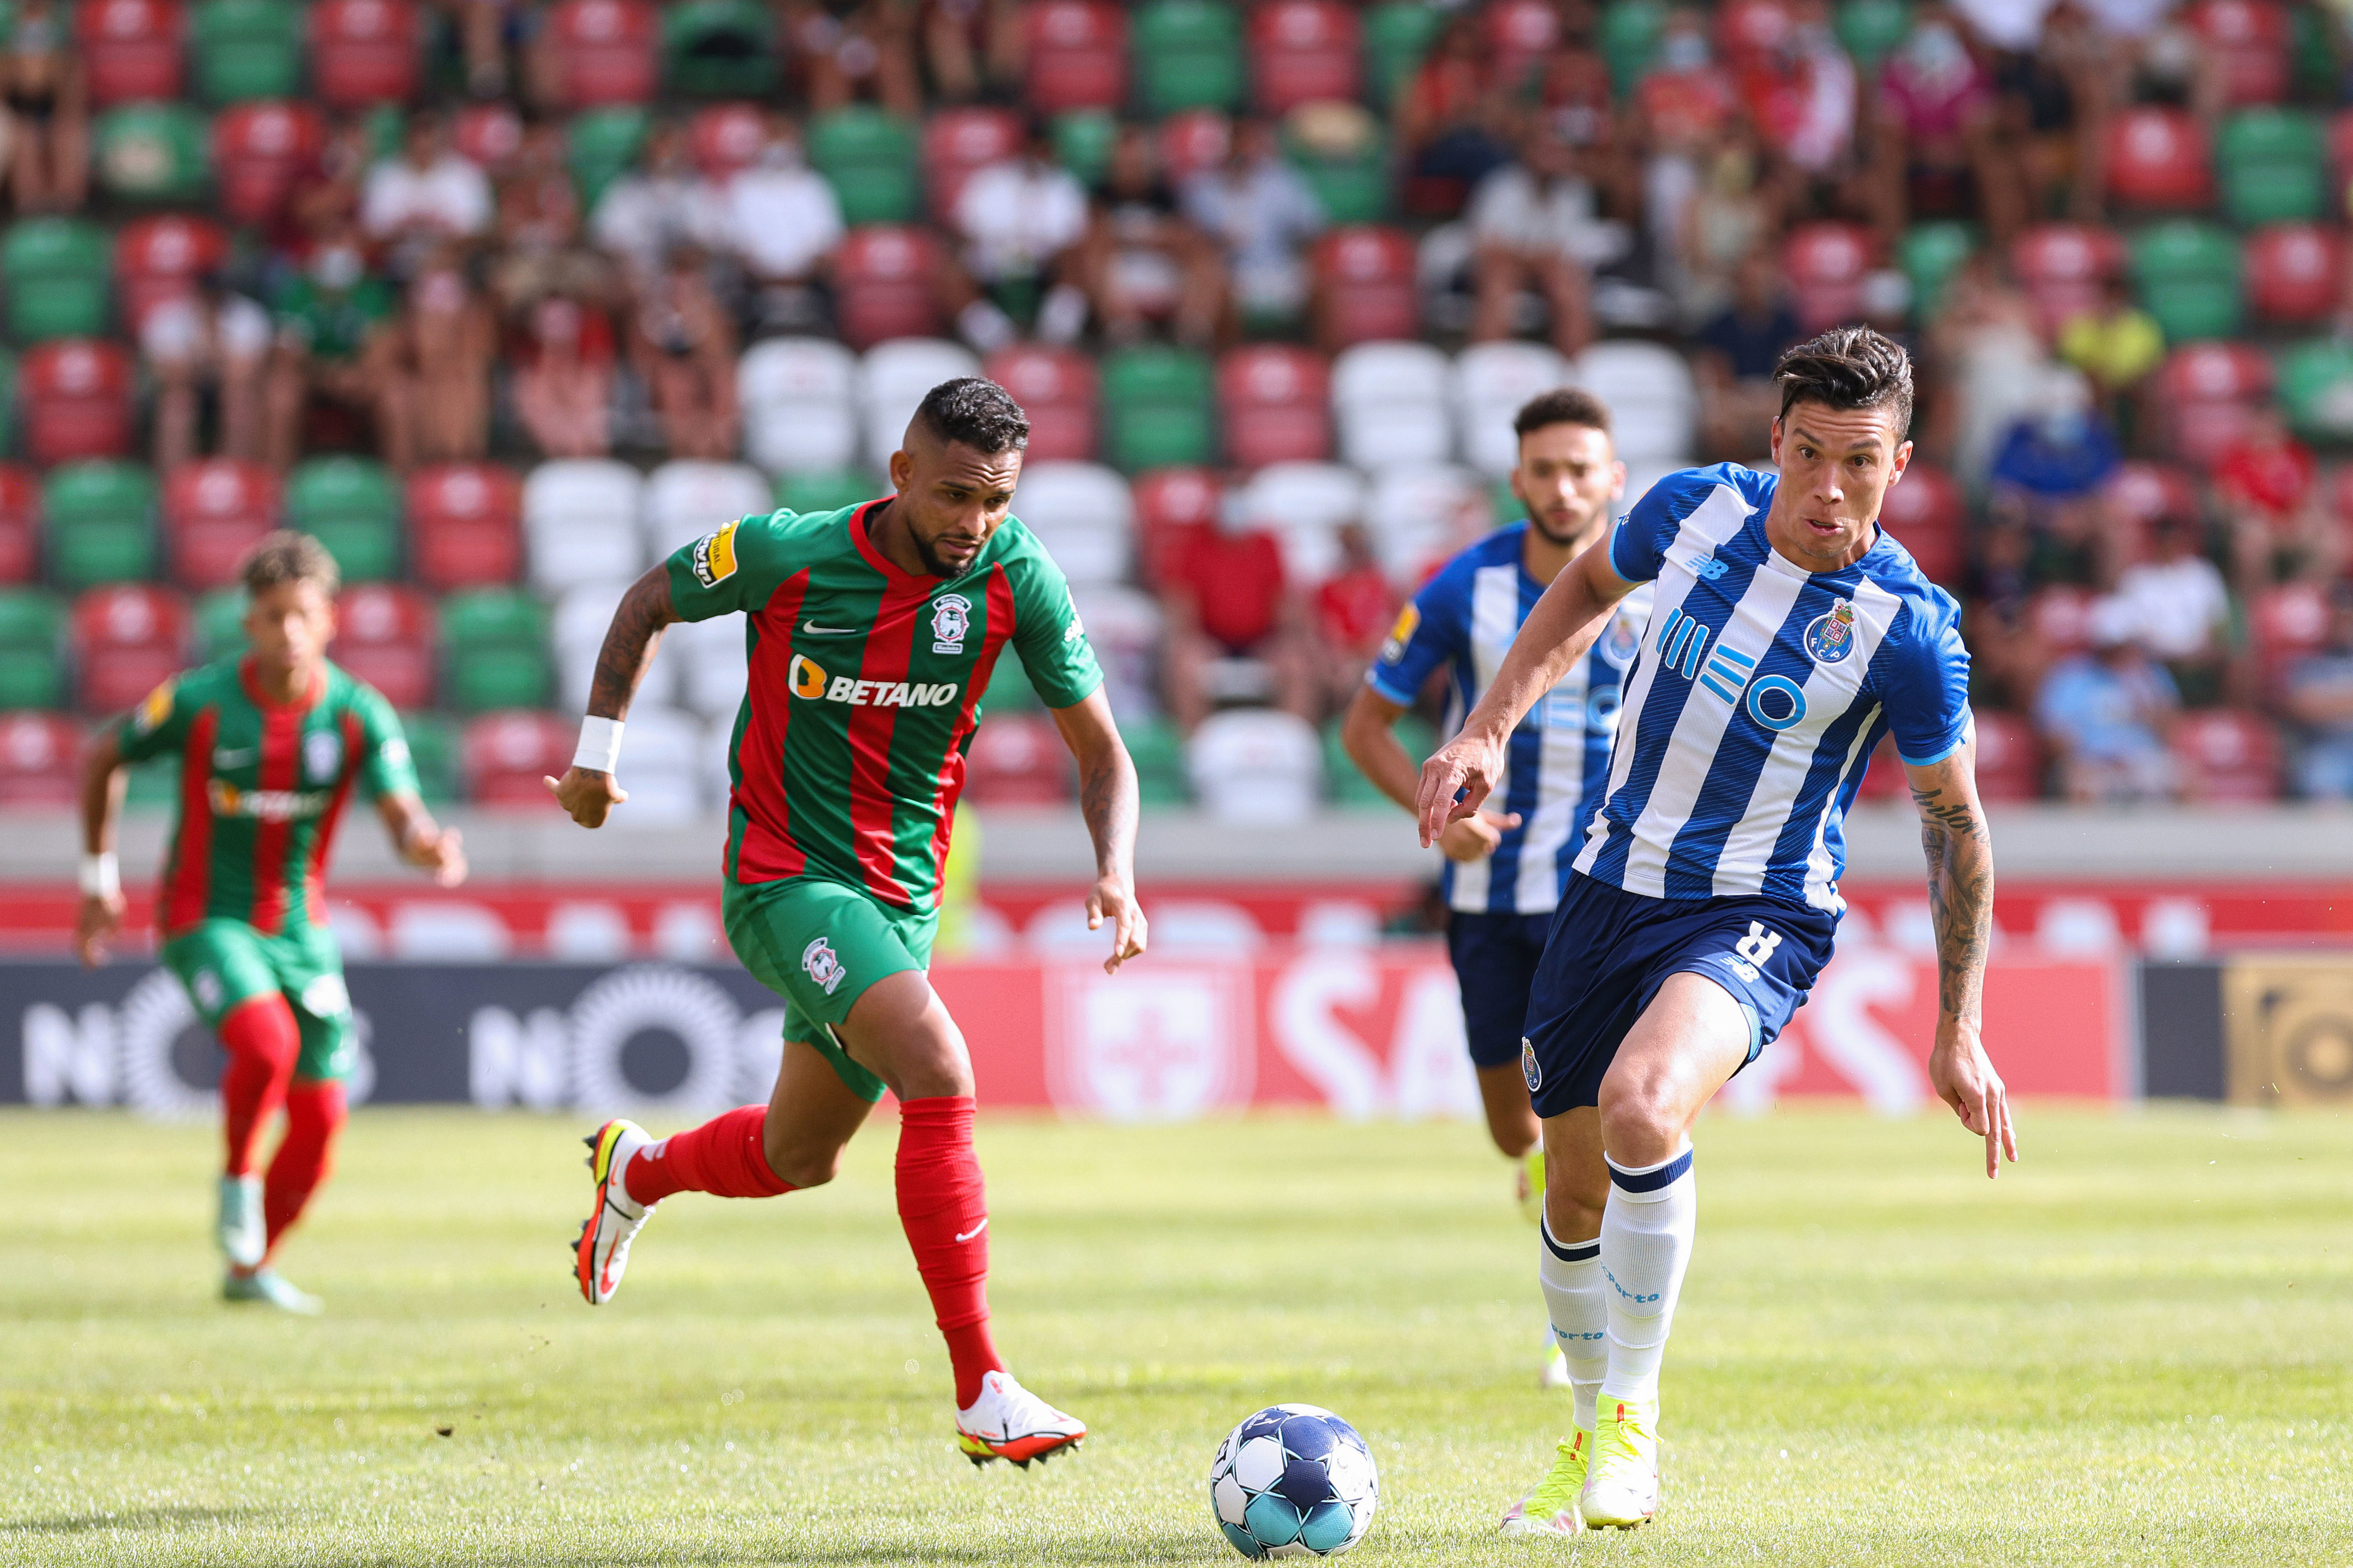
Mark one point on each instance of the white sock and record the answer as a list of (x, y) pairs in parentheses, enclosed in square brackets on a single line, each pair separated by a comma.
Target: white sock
[(1646, 1243), (1575, 1298)]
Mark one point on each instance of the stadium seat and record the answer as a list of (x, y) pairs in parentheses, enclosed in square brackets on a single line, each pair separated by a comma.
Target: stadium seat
[(99, 519), (7, 400), (32, 649), (2143, 494), (351, 506), (259, 150), (663, 752), (433, 751), (581, 523), (2064, 267), (1398, 33), (1058, 390), (40, 760), (77, 397), (159, 258), (2156, 160), (2285, 623), (719, 48), (1016, 759), (215, 510), (1274, 404), (1189, 54), (20, 526), (958, 142), (1418, 514), (1871, 29), (246, 49), (1354, 182), (1126, 628), (128, 638), (1256, 766), (1929, 254), (1389, 401), (1521, 35), (1084, 514), (1928, 515), (465, 525), (2227, 757), (893, 378), (1629, 39), (384, 635), (1652, 400), (1171, 504), (686, 500), (1082, 141), (1367, 274), (2009, 758), (828, 491), (129, 50), (1304, 51), (708, 673), (797, 395), (504, 756), (153, 152), (2272, 166), (725, 139), (2292, 273), (487, 135), (576, 633), (869, 157), (1193, 141), (218, 620), (1157, 749), (1826, 263), (1490, 381), (601, 143), (2205, 392), (1303, 505), (495, 645), (1076, 58), (603, 51), (1159, 408), (884, 285), (2315, 390), (2249, 40), (2188, 276), (365, 52), (55, 271)]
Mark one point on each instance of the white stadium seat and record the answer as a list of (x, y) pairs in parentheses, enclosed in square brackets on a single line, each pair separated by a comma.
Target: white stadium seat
[(580, 523), (706, 659), (1084, 516), (582, 615), (1389, 402), (661, 764), (686, 500), (1419, 515), (891, 381), (1303, 505), (1123, 627), (1490, 381), (1256, 765), (800, 404), (1654, 403)]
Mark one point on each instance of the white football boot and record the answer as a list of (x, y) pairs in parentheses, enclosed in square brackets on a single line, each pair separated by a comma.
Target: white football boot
[(244, 1235), (1621, 1485), (269, 1288), (603, 1250), (1008, 1422)]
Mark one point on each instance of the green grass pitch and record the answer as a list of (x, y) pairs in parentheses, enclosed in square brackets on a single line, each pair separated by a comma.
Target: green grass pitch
[(2131, 1349)]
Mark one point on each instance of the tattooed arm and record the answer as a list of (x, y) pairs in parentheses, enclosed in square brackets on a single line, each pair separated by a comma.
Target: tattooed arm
[(621, 666), (1959, 850), (1107, 795)]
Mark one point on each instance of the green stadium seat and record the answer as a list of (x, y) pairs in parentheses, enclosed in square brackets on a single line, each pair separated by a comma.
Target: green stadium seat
[(828, 491), (2318, 72), (2187, 275), (351, 505), (496, 641), (220, 624), (433, 747), (246, 50), (1930, 254), (1351, 790), (1872, 28), (1398, 33), (32, 649), (2315, 389), (154, 152), (100, 521), (2272, 166), (1189, 54), (1082, 140), (1009, 691), (600, 144), (1630, 40), (870, 158), (7, 401), (1159, 408), (719, 48), (1157, 749), (58, 272), (1355, 188)]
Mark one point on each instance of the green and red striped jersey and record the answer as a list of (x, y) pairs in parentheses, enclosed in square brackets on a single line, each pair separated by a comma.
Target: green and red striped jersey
[(262, 786), (848, 752)]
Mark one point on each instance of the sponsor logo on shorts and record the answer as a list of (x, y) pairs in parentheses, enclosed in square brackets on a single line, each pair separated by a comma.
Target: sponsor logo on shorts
[(951, 623), (207, 988), (267, 804), (812, 684), (714, 557), (323, 755), (1530, 1069), (823, 964), (1750, 953), (1408, 620), (154, 709), (1830, 637), (324, 997)]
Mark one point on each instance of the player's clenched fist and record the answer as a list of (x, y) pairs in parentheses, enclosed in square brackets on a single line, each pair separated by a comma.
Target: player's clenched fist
[(586, 796)]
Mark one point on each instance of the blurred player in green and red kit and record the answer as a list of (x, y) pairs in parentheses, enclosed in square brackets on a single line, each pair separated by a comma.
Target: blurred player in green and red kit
[(871, 633), (270, 743)]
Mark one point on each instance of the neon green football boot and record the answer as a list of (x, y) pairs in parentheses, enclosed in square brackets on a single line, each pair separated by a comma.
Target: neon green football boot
[(1552, 1508), (1621, 1486)]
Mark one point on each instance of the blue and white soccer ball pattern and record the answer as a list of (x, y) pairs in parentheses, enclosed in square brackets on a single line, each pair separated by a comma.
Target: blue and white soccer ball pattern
[(1294, 1480)]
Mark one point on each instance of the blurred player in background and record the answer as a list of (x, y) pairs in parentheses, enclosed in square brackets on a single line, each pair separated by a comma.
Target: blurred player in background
[(270, 743), (871, 633), (1787, 634)]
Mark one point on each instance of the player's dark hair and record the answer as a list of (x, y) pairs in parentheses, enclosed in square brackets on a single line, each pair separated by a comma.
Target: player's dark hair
[(285, 557), (1563, 406), (976, 412), (1849, 367)]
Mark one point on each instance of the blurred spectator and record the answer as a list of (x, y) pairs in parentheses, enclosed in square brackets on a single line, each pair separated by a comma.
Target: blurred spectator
[(853, 49), (1738, 350), (538, 248), (2319, 700), (564, 377), (2167, 63), (2119, 346), (657, 206), (1730, 218), (1143, 261), (1574, 96), (1021, 219), (325, 198), (1992, 360), (2007, 656), (2050, 473), (1354, 610), (2106, 714), (335, 340), (1535, 225), (1798, 85), (485, 29), (973, 49), (1454, 128), (684, 348), (2053, 88), (784, 224), (2268, 485), (1937, 152), (208, 340), (1683, 106), (444, 344), (1233, 623), (1260, 211), (45, 152), (426, 196), (2182, 610)]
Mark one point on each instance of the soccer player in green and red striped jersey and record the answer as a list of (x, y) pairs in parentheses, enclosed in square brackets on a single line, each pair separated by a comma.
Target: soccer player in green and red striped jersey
[(871, 634), (271, 745)]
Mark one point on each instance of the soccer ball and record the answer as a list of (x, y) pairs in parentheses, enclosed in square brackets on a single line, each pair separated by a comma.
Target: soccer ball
[(1294, 1480)]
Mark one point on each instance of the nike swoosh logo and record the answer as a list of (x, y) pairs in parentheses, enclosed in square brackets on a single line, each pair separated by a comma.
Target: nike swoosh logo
[(976, 1230), (813, 629), (227, 757)]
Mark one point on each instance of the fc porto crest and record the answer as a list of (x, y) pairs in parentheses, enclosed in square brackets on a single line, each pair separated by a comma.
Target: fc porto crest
[(1530, 1069), (951, 623), (1830, 637)]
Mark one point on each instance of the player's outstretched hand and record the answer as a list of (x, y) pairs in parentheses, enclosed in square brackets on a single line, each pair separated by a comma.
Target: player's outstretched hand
[(99, 917), (588, 796), (1454, 781), (1475, 838), (439, 850), (1965, 1079), (1113, 901)]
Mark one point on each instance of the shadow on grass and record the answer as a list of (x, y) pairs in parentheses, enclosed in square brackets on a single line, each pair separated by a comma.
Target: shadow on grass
[(1171, 1546), (129, 1518)]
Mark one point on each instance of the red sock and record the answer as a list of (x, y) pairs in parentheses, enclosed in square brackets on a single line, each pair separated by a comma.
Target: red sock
[(314, 1110), (722, 1156), (945, 1209), (262, 1044)]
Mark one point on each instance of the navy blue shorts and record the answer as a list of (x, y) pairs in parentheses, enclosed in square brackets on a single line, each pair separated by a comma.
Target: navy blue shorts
[(1610, 953), (1495, 958)]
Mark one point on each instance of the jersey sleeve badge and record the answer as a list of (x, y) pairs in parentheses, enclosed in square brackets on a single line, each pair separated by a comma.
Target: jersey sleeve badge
[(1407, 622), (154, 708), (714, 556)]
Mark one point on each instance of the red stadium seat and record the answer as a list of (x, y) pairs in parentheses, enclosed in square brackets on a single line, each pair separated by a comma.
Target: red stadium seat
[(364, 52), (1169, 503), (384, 636), (130, 49), (504, 756), (605, 51), (2061, 266), (2144, 494), (485, 134), (2009, 759), (2294, 272), (1016, 759), (2227, 756), (76, 395), (1057, 388), (1926, 513), (1751, 31), (1826, 263), (1304, 51), (885, 284), (1077, 55), (2206, 393), (215, 509), (2251, 39), (725, 139), (259, 150), (1519, 34), (2061, 620), (465, 524), (956, 144), (20, 524), (127, 638), (40, 760), (1196, 140), (1274, 404), (2158, 161), (2287, 622), (159, 258), (1367, 274)]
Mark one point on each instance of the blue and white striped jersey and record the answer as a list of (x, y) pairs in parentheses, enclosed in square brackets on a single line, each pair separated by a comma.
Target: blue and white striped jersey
[(1758, 695), (1466, 616)]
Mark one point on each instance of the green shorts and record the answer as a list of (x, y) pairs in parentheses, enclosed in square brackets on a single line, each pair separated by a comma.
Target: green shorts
[(819, 944), (224, 963)]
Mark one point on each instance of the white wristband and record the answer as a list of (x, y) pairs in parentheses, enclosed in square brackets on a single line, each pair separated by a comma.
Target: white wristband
[(600, 744), (101, 876)]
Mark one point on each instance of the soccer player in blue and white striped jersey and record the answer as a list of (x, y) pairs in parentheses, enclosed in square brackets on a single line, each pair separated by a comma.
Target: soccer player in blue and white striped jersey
[(1786, 634)]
